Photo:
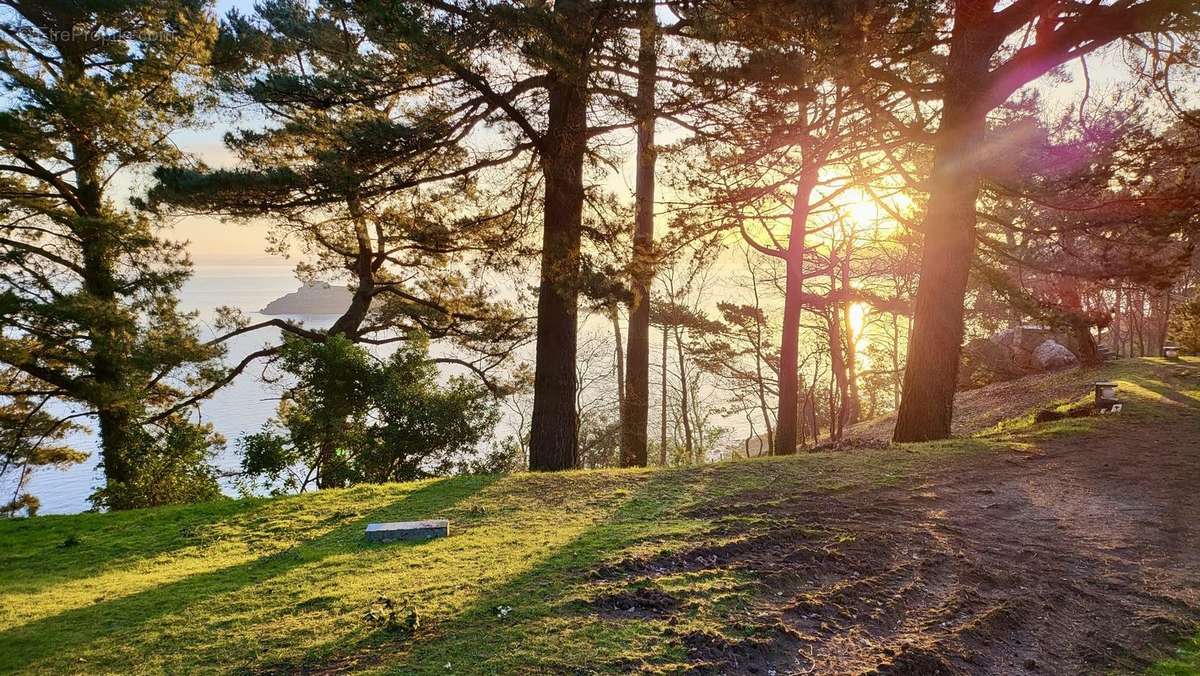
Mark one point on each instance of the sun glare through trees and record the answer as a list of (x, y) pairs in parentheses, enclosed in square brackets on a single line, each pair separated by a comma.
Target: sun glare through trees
[(614, 307)]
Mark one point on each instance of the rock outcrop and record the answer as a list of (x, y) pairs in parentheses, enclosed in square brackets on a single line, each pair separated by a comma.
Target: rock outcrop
[(313, 298), (1013, 353)]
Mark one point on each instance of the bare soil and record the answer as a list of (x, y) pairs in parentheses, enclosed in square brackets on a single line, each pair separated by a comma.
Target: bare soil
[(1081, 557)]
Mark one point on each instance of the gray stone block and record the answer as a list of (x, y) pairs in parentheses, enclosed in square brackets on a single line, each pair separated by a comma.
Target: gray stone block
[(408, 530)]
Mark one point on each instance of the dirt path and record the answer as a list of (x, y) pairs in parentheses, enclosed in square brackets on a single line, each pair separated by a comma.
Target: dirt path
[(1080, 558)]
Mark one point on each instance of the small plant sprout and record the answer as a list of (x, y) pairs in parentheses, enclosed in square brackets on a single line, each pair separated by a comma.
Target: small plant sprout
[(389, 616)]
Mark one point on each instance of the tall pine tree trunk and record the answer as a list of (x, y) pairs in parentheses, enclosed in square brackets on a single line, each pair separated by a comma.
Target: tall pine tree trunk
[(553, 442), (636, 404), (931, 373)]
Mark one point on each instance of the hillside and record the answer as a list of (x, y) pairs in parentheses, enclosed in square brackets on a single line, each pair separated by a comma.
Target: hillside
[(1067, 547), (978, 410)]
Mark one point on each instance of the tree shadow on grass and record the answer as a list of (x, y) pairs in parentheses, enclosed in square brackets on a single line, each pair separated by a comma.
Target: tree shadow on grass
[(39, 552), (121, 618), (1171, 391), (488, 638)]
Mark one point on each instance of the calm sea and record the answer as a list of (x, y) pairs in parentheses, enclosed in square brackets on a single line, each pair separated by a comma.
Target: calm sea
[(239, 408)]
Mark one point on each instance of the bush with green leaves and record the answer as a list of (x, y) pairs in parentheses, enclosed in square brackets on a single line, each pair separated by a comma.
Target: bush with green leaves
[(351, 417)]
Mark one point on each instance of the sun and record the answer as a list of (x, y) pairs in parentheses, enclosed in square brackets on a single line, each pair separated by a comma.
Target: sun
[(864, 212)]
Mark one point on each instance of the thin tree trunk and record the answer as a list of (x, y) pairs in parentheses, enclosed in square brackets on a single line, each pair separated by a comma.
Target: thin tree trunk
[(615, 317), (1115, 331), (662, 428), (895, 361), (760, 379), (837, 364), (812, 409), (762, 396), (553, 443), (688, 444), (636, 405), (793, 304), (850, 399), (801, 407)]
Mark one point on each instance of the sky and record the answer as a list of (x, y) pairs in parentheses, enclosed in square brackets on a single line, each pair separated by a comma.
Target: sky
[(211, 242)]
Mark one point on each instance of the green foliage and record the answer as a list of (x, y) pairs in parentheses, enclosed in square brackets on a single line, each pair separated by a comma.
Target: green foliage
[(1185, 325), (27, 441), (173, 461), (350, 418), (364, 177), (93, 91)]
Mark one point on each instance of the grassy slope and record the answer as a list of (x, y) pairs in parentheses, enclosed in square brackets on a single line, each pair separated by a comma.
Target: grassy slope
[(256, 585)]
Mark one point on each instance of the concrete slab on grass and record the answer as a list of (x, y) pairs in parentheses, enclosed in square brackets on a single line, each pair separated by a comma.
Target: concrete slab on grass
[(408, 530)]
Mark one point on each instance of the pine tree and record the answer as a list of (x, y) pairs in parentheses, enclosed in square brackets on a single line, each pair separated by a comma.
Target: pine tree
[(373, 185), (88, 298), (531, 71), (987, 60)]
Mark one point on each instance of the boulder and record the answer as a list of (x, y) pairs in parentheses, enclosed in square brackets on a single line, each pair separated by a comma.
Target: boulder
[(985, 361), (1013, 353), (1051, 355)]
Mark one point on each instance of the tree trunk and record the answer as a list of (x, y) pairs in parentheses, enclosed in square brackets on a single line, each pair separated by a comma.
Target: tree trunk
[(553, 443), (615, 316), (1115, 330), (635, 408), (116, 425), (850, 397), (812, 410), (931, 374), (364, 270), (837, 364), (793, 305), (109, 334), (688, 444), (662, 428), (801, 409), (895, 361)]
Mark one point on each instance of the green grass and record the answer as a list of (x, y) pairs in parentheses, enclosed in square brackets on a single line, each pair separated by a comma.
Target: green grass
[(1184, 662), (282, 585)]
